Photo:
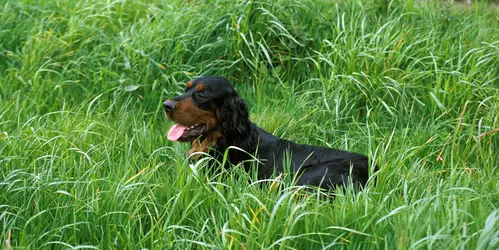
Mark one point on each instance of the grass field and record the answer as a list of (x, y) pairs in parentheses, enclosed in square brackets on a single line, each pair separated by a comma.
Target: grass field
[(85, 164)]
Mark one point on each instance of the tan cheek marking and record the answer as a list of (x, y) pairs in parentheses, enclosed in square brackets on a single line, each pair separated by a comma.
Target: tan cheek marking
[(188, 114)]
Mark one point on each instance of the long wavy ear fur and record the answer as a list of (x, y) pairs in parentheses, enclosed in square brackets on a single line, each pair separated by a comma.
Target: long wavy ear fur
[(235, 116)]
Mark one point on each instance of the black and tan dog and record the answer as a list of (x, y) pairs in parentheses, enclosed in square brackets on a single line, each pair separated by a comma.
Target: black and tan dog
[(212, 116)]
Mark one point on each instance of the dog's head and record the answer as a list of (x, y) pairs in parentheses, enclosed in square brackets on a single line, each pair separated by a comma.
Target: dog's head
[(209, 109)]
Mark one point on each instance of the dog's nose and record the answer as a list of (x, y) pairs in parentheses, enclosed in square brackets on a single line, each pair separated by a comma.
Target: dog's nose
[(169, 106)]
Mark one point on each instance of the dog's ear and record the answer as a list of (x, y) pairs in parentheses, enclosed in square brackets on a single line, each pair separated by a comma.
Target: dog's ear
[(235, 116)]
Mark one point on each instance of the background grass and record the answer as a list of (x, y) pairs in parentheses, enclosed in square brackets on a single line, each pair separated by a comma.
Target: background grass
[(84, 162)]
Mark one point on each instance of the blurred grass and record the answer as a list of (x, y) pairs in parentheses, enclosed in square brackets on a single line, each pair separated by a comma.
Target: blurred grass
[(84, 162)]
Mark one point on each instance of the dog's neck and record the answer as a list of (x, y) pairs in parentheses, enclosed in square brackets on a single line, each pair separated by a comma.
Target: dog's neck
[(244, 143)]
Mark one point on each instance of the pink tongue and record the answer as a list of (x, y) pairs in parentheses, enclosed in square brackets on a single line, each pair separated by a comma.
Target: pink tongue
[(175, 132)]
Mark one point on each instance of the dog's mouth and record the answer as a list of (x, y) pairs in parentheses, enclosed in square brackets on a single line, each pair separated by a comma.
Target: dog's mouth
[(185, 133)]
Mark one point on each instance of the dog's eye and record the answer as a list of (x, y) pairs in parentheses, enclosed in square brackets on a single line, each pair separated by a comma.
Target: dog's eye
[(200, 95)]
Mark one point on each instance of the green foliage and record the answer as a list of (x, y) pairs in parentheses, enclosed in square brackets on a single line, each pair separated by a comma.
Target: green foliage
[(84, 162)]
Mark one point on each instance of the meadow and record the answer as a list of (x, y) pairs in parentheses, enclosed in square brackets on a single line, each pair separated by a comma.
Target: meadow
[(85, 163)]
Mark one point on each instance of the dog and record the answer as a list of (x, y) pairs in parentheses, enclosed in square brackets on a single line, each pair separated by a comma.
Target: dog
[(213, 117)]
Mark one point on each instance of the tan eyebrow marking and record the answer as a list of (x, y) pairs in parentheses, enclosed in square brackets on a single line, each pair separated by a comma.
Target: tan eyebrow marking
[(189, 85), (200, 87)]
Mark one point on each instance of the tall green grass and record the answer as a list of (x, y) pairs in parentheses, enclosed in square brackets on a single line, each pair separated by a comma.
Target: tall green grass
[(84, 162)]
